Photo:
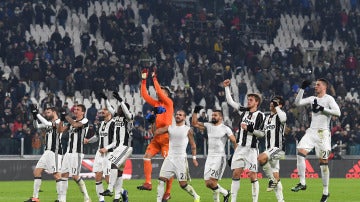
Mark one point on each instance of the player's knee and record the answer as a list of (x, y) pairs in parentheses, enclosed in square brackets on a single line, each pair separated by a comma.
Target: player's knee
[(183, 185), (210, 184), (236, 173), (162, 179)]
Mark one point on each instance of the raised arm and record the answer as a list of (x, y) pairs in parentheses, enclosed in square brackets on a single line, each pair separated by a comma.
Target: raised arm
[(43, 121), (281, 114), (144, 92), (229, 99), (194, 119), (129, 116)]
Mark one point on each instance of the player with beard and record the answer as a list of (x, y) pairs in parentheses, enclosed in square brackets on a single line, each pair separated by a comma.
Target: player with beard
[(318, 136), (51, 158), (215, 164)]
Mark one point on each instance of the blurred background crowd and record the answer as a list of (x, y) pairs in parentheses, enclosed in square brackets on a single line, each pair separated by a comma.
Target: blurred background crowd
[(67, 52)]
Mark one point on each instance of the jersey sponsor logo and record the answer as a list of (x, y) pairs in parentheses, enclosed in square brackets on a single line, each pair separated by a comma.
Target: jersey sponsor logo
[(309, 172), (354, 172), (270, 127)]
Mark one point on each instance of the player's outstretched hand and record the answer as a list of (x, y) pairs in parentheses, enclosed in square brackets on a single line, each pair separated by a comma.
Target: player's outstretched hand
[(34, 111), (102, 95), (305, 84), (198, 108), (62, 115), (153, 74), (275, 102), (117, 96), (226, 82), (144, 73)]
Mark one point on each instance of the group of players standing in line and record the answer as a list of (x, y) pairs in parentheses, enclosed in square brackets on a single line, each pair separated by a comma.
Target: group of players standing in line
[(171, 141)]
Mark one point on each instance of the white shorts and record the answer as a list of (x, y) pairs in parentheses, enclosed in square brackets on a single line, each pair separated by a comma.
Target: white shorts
[(102, 163), (72, 163), (214, 167), (318, 139), (120, 154), (50, 162), (175, 166), (246, 158), (274, 163)]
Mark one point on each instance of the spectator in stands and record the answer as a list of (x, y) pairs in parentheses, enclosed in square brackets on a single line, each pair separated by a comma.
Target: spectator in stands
[(94, 22), (138, 138), (62, 16)]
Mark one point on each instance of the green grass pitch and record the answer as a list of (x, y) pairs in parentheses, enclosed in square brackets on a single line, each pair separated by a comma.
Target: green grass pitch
[(341, 190)]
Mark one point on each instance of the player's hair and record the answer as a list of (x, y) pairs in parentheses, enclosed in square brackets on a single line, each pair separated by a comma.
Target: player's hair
[(256, 96), (324, 81), (82, 107), (181, 110), (219, 111)]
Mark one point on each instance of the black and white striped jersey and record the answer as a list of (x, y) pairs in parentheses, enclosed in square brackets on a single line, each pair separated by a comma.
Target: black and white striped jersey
[(106, 135), (52, 137), (246, 138), (76, 137), (274, 128), (122, 131)]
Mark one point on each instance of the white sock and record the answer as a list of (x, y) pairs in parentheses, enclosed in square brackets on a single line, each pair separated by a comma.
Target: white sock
[(216, 194), (268, 171), (325, 175), (301, 168), (82, 187), (279, 192), (118, 187), (58, 188), (160, 190), (64, 188), (112, 179), (255, 190), (37, 184), (189, 189), (235, 186), (99, 189), (222, 190)]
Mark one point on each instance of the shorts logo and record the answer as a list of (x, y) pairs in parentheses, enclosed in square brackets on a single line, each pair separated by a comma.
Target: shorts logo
[(354, 172), (309, 173)]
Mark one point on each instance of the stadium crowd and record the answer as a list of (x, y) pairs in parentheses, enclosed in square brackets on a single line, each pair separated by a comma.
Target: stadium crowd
[(204, 55)]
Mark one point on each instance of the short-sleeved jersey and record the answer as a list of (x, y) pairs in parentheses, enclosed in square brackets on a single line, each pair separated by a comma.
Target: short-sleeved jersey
[(106, 134), (217, 137), (178, 140), (76, 137), (246, 138)]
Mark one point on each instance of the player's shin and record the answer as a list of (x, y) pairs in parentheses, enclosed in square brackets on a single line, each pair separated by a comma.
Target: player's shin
[(189, 189), (112, 179), (268, 171), (37, 184), (99, 189), (118, 185), (235, 186), (301, 166), (216, 194), (147, 170), (160, 191), (255, 190), (82, 187), (58, 188), (279, 192), (325, 175)]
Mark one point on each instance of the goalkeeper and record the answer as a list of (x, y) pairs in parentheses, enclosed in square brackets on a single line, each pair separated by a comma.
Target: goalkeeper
[(160, 143)]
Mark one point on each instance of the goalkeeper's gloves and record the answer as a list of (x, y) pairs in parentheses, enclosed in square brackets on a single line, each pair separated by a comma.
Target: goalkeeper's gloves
[(153, 74), (144, 74), (150, 117), (34, 111), (159, 110), (316, 107), (305, 84), (198, 108), (117, 96)]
